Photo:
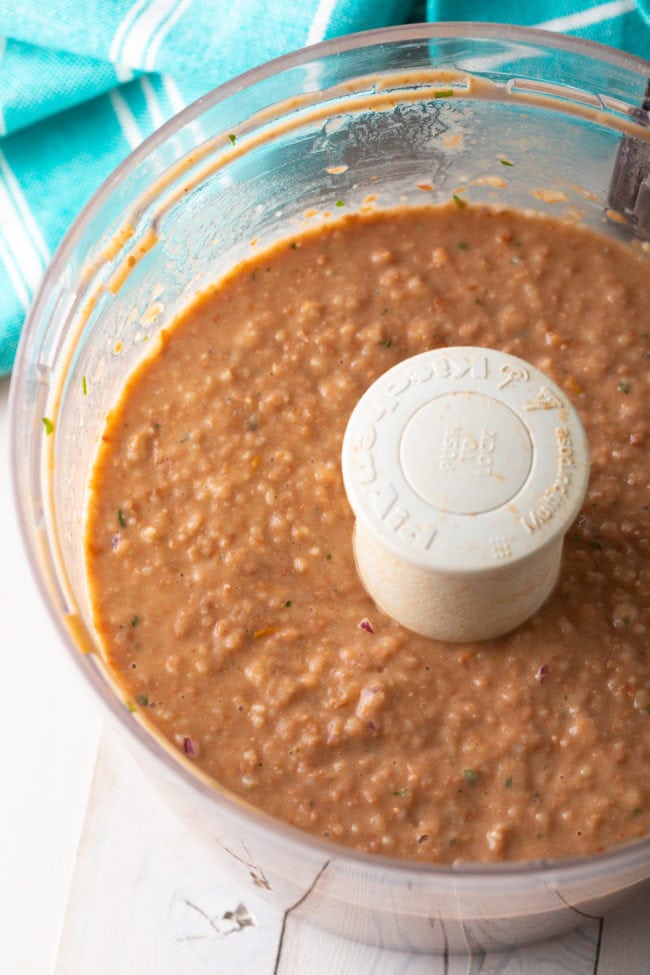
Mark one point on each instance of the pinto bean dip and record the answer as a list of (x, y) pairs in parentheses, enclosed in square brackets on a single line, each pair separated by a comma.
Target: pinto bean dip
[(219, 545)]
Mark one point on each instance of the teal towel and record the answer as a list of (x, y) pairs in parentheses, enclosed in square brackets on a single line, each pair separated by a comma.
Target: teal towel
[(82, 84)]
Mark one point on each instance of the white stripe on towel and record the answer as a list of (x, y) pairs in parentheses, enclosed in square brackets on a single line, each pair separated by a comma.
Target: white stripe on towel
[(154, 107), (114, 52), (7, 259), (321, 21), (173, 94), (592, 15), (137, 37), (128, 123), (161, 33)]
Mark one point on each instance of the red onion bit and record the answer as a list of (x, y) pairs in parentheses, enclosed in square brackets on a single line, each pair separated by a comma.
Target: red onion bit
[(366, 625), (115, 541), (188, 746), (541, 673)]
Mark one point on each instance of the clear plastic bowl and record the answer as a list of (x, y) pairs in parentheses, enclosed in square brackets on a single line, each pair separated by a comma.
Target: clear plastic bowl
[(364, 114)]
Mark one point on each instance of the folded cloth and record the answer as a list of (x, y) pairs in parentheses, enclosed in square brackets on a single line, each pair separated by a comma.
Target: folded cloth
[(82, 84)]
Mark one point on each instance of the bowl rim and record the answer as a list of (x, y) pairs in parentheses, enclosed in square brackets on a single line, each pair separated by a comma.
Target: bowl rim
[(361, 39), (468, 874)]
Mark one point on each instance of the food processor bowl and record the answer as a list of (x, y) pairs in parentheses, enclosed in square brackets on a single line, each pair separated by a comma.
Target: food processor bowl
[(505, 116)]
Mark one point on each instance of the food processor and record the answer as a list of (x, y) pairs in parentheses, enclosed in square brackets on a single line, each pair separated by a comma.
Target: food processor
[(509, 116)]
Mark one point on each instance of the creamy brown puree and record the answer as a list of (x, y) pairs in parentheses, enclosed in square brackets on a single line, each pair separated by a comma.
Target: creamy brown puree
[(220, 558)]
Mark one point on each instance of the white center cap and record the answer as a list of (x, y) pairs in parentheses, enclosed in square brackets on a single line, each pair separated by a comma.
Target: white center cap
[(465, 453), (464, 468)]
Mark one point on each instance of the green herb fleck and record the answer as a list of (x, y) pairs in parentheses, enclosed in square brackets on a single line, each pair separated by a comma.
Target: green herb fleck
[(289, 603), (636, 811), (478, 301), (135, 620), (121, 517), (385, 311), (508, 782), (453, 841), (647, 708), (329, 555), (293, 245), (505, 162), (471, 776), (339, 203), (624, 387), (595, 544), (626, 620), (49, 426), (84, 386), (401, 793), (459, 201), (445, 93), (253, 423), (463, 245), (142, 700), (185, 438), (130, 706), (386, 343), (233, 139)]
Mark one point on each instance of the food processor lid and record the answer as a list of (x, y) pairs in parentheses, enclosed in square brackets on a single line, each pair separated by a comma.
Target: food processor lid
[(464, 467)]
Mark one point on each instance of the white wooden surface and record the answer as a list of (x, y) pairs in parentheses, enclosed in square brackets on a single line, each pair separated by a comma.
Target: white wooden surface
[(96, 877)]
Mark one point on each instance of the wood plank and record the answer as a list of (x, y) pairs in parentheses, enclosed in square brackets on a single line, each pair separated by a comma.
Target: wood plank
[(625, 945), (146, 898), (308, 949), (49, 725), (305, 949), (575, 953)]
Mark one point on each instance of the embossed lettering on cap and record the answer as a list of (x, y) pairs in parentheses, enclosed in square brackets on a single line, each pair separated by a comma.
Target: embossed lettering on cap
[(465, 453)]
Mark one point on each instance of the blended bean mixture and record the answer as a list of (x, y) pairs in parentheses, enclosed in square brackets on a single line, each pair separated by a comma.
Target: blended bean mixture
[(219, 545)]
